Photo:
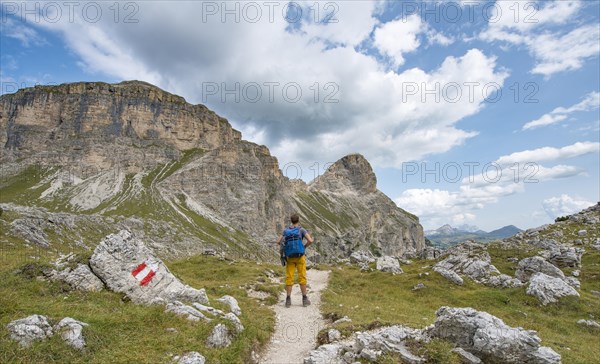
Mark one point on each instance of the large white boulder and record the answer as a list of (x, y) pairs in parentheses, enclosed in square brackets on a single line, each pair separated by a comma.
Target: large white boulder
[(530, 266), (126, 265), (388, 264), (549, 289)]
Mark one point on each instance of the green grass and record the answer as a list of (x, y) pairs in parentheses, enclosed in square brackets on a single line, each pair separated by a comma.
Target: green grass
[(120, 331), (18, 188), (375, 298)]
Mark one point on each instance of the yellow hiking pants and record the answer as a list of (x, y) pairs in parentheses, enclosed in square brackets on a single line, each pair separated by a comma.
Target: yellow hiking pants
[(293, 264)]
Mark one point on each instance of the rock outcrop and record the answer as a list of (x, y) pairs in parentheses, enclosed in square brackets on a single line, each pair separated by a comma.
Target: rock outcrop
[(489, 338), (529, 266), (126, 265), (219, 338), (479, 338), (549, 289), (37, 328), (192, 357), (29, 329), (473, 260), (388, 264), (79, 278), (71, 332)]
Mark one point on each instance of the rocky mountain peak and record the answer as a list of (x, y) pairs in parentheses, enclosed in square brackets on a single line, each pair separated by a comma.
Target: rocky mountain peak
[(353, 172), (134, 151)]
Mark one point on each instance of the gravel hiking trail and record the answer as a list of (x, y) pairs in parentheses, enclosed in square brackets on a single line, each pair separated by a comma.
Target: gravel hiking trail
[(297, 327)]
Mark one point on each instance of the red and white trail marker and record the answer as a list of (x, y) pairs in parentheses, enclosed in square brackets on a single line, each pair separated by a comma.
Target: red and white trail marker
[(145, 272)]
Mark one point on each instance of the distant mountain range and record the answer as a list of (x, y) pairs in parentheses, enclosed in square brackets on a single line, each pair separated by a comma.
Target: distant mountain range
[(447, 236)]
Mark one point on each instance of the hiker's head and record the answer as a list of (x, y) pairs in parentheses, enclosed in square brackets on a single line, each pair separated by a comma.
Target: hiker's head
[(294, 218)]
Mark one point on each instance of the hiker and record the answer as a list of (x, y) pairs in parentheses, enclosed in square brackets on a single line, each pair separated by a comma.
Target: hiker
[(292, 246)]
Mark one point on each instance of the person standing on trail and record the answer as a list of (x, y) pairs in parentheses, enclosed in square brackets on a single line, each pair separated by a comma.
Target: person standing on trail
[(291, 243)]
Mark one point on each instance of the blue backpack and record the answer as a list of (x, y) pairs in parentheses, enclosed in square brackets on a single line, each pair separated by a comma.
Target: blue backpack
[(293, 246)]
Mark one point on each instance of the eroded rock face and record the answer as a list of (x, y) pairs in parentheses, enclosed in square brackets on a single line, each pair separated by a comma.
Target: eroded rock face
[(29, 329), (351, 173), (489, 338), (549, 289), (126, 265)]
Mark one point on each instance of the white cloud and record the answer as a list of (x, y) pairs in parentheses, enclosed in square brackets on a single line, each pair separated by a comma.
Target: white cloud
[(567, 52), (591, 102), (398, 37), (528, 23), (564, 205), (549, 153), (344, 23), (17, 30), (374, 115), (485, 187)]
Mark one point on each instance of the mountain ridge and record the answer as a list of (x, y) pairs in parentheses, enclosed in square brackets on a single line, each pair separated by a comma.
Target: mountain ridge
[(447, 236), (133, 151)]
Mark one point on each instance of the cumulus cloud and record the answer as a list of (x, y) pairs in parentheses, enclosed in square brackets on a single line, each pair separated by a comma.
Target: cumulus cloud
[(564, 205), (554, 50), (398, 37), (591, 102), (507, 176), (348, 100)]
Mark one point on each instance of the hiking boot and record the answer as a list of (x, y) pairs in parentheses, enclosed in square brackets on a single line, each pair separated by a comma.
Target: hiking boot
[(305, 301), (288, 301)]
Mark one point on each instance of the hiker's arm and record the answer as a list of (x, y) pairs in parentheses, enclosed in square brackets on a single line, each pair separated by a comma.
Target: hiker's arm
[(309, 239), (279, 240)]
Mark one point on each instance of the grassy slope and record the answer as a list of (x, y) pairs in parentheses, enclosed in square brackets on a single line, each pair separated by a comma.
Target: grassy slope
[(121, 332), (392, 301), (147, 204)]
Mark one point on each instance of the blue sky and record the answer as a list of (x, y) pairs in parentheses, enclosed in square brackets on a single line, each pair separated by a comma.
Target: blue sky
[(471, 112)]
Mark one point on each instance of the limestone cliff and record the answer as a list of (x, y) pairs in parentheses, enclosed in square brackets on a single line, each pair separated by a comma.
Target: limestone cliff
[(133, 152)]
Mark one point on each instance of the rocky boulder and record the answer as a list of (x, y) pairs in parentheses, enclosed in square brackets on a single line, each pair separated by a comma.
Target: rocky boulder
[(589, 323), (504, 281), (71, 332), (232, 303), (472, 260), (29, 329), (361, 256), (193, 357), (80, 278), (181, 309), (489, 338), (450, 275), (549, 289), (219, 338), (388, 264), (564, 256), (369, 346), (529, 266), (126, 265)]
